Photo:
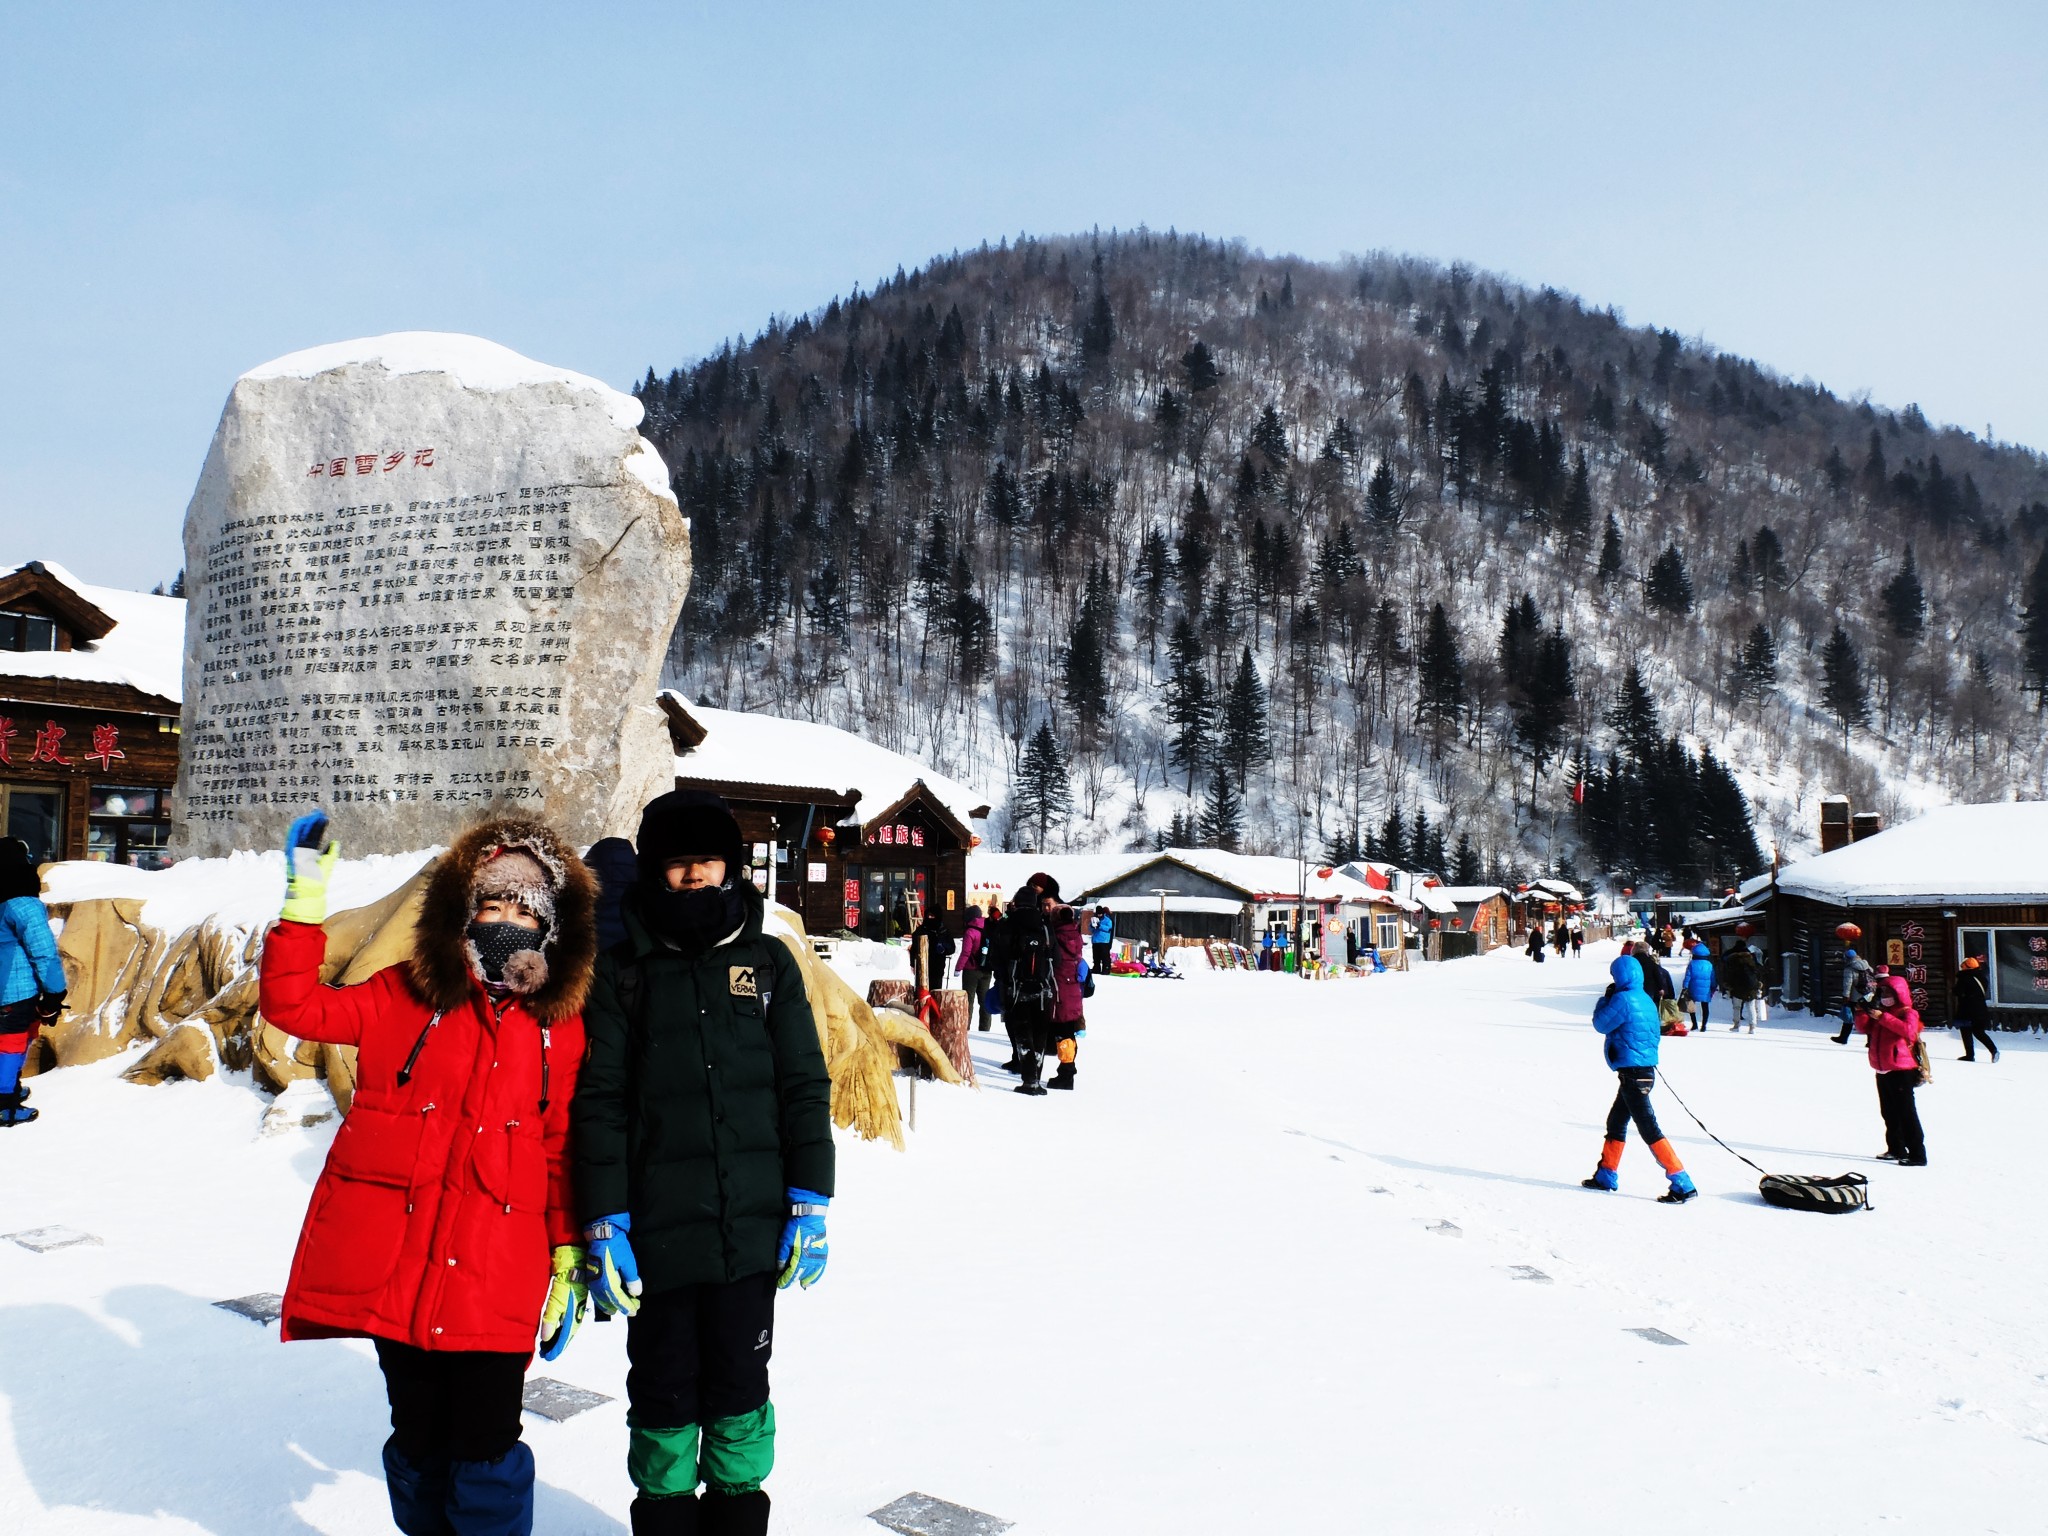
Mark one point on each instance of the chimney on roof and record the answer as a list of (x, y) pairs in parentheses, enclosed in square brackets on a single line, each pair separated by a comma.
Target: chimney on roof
[(1865, 824), (1834, 823)]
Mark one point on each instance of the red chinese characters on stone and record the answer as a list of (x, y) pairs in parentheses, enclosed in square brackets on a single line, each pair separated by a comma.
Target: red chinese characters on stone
[(106, 746), (7, 734), (368, 463), (49, 746)]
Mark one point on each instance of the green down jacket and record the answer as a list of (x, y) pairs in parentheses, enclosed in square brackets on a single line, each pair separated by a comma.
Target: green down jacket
[(702, 1098)]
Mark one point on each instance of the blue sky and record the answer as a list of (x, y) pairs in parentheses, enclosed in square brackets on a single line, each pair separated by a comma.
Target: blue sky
[(1848, 192)]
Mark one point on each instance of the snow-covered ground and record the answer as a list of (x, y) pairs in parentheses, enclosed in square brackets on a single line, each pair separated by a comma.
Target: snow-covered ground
[(1213, 1290)]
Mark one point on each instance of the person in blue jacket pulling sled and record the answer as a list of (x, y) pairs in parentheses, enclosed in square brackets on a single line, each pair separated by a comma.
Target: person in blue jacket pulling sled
[(1628, 1019)]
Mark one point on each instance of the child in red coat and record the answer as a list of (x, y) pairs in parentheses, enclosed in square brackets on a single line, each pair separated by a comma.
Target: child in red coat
[(442, 1225)]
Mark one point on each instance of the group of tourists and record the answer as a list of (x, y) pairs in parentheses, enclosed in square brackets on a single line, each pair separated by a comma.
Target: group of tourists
[(540, 1124), (1027, 967), (1566, 934)]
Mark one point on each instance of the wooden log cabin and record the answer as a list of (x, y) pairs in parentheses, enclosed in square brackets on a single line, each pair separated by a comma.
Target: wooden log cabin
[(1961, 880), (854, 837), (90, 682)]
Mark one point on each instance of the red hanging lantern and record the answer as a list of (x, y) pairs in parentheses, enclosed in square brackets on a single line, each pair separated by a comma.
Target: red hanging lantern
[(1324, 874), (1745, 930), (974, 840), (1436, 922), (1628, 890), (826, 837), (1848, 933)]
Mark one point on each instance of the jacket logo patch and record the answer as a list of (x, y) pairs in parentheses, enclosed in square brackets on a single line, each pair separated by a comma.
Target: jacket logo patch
[(743, 981)]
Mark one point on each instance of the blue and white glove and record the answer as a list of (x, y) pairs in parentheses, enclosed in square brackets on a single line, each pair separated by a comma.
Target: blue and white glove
[(803, 1254), (309, 856), (608, 1267)]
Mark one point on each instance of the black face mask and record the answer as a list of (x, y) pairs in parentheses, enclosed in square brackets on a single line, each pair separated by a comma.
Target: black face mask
[(693, 919), (498, 942)]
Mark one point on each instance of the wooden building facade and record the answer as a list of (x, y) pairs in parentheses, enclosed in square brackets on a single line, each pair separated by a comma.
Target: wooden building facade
[(89, 733), (866, 857)]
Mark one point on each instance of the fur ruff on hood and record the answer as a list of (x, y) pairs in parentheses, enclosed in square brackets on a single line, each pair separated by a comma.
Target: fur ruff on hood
[(441, 968)]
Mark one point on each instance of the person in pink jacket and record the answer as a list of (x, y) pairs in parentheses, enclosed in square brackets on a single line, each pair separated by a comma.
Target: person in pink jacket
[(1892, 1025)]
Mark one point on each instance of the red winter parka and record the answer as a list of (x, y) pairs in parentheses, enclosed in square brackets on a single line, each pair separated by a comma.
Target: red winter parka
[(442, 1197)]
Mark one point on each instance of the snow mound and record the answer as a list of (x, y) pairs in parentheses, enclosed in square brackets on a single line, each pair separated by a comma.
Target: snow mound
[(471, 361), (244, 889)]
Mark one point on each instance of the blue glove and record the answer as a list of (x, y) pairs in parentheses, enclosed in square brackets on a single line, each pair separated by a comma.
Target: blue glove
[(803, 1254), (608, 1267)]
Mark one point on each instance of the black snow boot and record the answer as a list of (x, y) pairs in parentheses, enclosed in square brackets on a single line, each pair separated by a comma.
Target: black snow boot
[(678, 1515), (735, 1514), (11, 1110), (1064, 1078)]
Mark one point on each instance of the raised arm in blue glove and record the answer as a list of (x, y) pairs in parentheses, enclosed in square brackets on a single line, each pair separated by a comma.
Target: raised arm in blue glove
[(803, 1240), (309, 857), (608, 1267)]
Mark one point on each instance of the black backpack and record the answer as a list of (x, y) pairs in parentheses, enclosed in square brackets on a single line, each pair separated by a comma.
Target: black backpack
[(1833, 1197), (983, 958), (1032, 982)]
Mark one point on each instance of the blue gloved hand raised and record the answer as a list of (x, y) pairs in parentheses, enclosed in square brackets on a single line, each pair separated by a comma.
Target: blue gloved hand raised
[(608, 1266), (309, 857), (803, 1254)]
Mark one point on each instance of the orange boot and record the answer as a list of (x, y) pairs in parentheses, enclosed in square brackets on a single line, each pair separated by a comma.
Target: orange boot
[(1682, 1187), (1607, 1175)]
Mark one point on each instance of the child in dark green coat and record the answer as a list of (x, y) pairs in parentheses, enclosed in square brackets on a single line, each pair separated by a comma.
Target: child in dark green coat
[(703, 1147)]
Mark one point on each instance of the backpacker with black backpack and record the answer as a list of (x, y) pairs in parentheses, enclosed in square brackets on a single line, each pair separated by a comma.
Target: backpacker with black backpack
[(1031, 983)]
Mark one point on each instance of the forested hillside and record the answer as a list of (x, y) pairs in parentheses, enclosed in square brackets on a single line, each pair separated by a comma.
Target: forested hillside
[(1153, 536)]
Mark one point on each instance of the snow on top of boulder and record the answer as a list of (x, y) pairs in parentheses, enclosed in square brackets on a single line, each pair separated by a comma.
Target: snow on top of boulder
[(471, 361), (243, 889), (145, 649), (1991, 854)]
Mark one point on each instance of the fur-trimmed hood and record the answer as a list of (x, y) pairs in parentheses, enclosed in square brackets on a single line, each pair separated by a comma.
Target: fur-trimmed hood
[(440, 968)]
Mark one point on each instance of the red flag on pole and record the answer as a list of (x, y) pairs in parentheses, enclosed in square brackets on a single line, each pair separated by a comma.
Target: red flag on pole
[(1579, 792)]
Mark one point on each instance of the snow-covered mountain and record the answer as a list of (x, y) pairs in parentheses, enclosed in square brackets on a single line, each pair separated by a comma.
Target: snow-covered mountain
[(1077, 482)]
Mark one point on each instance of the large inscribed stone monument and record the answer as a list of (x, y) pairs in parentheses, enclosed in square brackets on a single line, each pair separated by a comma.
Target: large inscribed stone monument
[(429, 578)]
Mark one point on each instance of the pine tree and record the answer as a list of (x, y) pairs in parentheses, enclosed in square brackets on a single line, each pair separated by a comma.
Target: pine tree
[(1547, 703), (1084, 671), (1098, 332), (1767, 554), (2034, 630), (1393, 839), (1905, 602), (1441, 676), (1222, 813), (1843, 693), (1384, 502), (1246, 737), (1669, 588), (1757, 678), (1633, 717), (1042, 797), (1190, 710), (1729, 852), (1465, 866), (1610, 551), (1200, 367), (1575, 514)]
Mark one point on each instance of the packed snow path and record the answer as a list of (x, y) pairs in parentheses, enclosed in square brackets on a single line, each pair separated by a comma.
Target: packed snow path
[(1275, 1266)]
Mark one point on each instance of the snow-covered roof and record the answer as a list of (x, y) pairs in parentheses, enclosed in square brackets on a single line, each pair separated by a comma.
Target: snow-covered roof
[(1435, 898), (1214, 906), (740, 747), (477, 364), (1564, 890), (145, 649), (1076, 872), (1984, 854), (1471, 895), (1263, 877)]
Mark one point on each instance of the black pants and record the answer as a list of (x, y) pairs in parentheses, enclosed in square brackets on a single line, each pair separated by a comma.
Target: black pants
[(452, 1405), (1632, 1102), (1902, 1134), (1973, 1033), (976, 983), (1031, 1037), (1100, 964), (700, 1353)]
